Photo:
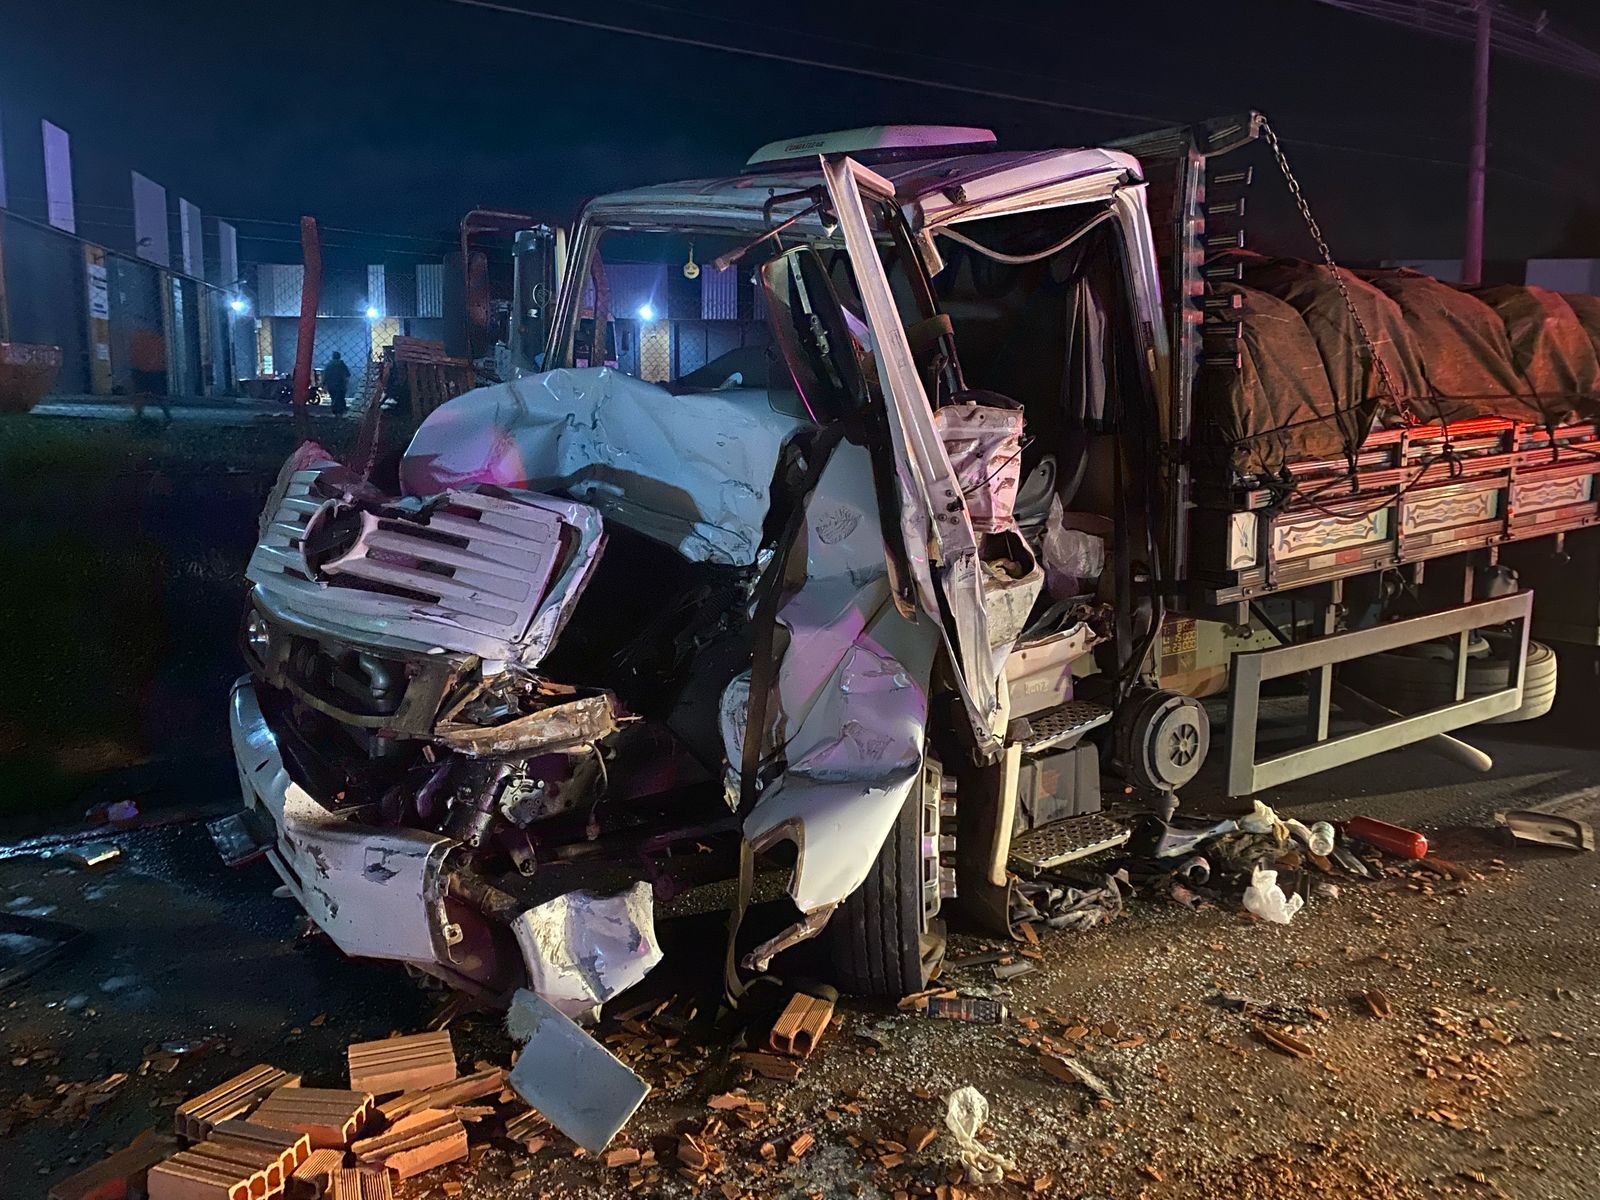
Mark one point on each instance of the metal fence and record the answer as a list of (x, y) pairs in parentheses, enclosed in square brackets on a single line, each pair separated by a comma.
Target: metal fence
[(112, 314), (360, 311)]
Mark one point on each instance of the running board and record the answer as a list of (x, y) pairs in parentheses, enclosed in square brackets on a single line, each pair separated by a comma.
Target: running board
[(1062, 726), (1065, 840)]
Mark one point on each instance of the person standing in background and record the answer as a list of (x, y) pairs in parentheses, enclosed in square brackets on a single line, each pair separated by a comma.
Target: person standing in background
[(336, 378), (147, 355)]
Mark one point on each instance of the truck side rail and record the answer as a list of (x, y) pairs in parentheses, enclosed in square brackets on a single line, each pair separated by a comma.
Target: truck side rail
[(1248, 774), (1413, 495)]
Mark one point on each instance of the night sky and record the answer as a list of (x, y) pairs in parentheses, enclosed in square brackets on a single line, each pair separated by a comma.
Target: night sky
[(400, 116)]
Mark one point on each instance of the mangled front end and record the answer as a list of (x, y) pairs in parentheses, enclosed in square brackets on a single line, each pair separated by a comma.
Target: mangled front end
[(415, 693)]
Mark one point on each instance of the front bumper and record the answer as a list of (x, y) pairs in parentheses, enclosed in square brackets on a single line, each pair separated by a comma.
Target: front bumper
[(386, 892), (378, 892)]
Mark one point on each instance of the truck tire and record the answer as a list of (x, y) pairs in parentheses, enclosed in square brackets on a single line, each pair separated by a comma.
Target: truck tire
[(1409, 683), (882, 940)]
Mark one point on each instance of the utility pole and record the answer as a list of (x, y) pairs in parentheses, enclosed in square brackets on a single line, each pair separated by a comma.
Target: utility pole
[(1478, 161), (1491, 27)]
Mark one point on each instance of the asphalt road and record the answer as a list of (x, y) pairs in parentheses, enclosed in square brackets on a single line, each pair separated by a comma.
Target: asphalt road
[(1485, 1081)]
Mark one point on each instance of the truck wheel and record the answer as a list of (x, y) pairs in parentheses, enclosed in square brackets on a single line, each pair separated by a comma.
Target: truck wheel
[(887, 939), (1410, 683)]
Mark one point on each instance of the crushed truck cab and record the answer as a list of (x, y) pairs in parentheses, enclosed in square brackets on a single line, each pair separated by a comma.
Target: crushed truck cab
[(959, 483)]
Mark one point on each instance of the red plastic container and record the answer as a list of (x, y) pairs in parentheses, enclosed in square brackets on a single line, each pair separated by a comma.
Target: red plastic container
[(1391, 839)]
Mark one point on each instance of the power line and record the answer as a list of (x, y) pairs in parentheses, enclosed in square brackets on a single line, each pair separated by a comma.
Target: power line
[(1514, 33), (818, 63), (1013, 72), (893, 77)]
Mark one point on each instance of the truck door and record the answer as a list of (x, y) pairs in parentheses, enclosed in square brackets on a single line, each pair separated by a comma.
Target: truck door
[(940, 543)]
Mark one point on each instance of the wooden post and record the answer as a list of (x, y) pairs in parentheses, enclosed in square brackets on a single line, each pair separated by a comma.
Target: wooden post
[(310, 290)]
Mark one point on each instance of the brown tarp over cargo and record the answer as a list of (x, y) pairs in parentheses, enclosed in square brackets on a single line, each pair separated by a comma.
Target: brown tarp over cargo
[(1277, 406), (1465, 350), (1522, 353), (1549, 348), (1314, 292), (1587, 310), (1305, 390)]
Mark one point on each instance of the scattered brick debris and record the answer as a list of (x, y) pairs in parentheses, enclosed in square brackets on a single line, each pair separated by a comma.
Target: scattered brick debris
[(234, 1171), (736, 1102), (402, 1064), (801, 1145), (1285, 1043), (230, 1099), (1070, 1070), (329, 1116), (801, 1025), (444, 1095), (312, 1174), (918, 1001), (121, 1173), (920, 1137), (290, 1148), (530, 1130), (357, 1184), (769, 1066), (415, 1143)]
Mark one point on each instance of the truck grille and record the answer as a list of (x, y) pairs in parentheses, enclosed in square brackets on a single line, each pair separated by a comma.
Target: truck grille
[(467, 574)]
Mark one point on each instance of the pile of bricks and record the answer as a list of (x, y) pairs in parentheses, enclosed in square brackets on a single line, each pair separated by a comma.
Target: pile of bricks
[(407, 1110), (260, 1135)]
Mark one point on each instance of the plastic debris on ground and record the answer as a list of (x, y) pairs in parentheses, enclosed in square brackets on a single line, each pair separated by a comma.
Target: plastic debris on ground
[(966, 1110), (581, 949), (1266, 900), (1061, 904)]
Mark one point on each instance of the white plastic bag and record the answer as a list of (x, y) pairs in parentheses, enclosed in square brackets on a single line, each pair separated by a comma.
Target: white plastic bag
[(965, 1112), (1266, 899), (1073, 558)]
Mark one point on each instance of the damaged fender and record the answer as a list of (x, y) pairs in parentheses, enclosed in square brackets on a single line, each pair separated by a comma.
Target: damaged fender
[(851, 707)]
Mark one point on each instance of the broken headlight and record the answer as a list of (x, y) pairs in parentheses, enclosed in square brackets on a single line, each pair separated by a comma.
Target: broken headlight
[(257, 636)]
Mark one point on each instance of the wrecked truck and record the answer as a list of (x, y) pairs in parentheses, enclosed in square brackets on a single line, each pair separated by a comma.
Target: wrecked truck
[(982, 482)]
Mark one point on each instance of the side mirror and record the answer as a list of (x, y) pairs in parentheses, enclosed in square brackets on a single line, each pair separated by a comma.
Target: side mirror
[(809, 325)]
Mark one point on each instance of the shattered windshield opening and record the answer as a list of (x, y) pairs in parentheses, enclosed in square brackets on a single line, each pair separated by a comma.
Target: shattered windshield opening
[(671, 316)]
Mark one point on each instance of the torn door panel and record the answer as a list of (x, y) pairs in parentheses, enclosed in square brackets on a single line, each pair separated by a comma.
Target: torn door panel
[(940, 540), (693, 471)]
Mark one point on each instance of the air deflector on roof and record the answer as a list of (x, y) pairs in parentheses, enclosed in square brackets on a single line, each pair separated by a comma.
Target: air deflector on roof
[(876, 143)]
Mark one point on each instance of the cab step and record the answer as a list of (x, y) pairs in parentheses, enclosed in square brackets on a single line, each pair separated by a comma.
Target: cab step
[(1063, 841), (1060, 726)]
